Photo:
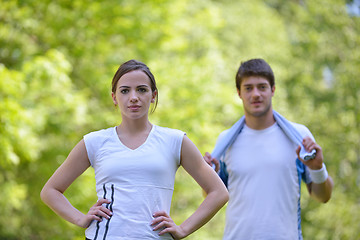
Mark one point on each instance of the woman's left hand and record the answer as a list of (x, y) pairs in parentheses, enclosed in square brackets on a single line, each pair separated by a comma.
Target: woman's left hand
[(165, 224)]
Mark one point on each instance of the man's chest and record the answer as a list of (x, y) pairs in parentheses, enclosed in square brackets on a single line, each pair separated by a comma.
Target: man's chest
[(254, 154)]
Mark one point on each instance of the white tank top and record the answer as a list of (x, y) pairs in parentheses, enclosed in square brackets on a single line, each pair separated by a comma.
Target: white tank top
[(138, 182)]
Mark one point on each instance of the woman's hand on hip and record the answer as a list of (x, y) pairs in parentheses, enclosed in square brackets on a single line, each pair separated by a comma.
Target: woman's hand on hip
[(97, 212), (163, 222)]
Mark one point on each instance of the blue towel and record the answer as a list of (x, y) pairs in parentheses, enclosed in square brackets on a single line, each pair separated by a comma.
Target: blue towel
[(285, 125)]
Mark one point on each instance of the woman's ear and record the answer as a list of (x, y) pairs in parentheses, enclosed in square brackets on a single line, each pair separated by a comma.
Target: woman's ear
[(154, 96), (113, 96)]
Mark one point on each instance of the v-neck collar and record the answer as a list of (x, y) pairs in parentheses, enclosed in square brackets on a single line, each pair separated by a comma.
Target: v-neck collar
[(139, 147)]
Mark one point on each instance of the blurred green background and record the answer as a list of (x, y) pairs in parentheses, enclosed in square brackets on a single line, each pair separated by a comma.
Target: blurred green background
[(57, 59)]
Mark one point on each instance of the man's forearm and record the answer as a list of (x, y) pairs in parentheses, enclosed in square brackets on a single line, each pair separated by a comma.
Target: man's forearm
[(322, 191)]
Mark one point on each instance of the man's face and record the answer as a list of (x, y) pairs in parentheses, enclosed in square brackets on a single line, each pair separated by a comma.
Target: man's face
[(256, 94)]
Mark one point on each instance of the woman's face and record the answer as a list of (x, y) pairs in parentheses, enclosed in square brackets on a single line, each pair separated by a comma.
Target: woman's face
[(133, 95)]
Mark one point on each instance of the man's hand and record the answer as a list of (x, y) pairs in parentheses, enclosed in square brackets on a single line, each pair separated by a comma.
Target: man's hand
[(309, 145), (212, 161)]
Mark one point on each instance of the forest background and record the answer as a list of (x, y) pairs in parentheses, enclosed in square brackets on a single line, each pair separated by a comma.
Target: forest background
[(57, 59)]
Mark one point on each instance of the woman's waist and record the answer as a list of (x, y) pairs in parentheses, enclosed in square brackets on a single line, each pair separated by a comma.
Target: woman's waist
[(133, 208), (128, 186), (139, 199)]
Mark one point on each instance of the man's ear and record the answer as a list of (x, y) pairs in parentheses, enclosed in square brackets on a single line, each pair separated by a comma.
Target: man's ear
[(239, 93)]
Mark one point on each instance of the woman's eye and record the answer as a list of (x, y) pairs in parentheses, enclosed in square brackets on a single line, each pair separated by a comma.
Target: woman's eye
[(142, 90), (124, 91)]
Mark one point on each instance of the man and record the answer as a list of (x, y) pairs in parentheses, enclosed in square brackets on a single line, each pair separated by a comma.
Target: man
[(262, 166)]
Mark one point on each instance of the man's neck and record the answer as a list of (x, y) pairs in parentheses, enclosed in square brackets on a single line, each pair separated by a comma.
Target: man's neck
[(260, 122)]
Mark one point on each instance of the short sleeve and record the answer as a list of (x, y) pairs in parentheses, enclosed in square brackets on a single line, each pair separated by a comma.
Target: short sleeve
[(172, 139), (94, 141), (89, 145), (304, 131), (179, 137)]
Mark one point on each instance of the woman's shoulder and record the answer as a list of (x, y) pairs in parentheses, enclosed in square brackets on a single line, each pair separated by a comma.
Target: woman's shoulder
[(99, 134), (165, 131)]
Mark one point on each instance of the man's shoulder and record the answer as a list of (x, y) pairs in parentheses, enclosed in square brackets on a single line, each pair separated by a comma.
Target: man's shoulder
[(223, 134), (298, 126), (302, 129)]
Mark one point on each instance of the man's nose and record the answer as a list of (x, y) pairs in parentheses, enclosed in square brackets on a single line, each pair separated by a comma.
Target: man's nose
[(255, 92)]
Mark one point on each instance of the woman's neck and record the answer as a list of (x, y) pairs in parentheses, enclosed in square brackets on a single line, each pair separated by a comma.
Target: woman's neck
[(135, 126)]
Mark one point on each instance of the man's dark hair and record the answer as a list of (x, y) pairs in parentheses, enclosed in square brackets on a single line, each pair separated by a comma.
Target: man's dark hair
[(254, 67)]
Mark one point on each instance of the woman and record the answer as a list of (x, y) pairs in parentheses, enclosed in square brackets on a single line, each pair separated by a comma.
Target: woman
[(135, 165)]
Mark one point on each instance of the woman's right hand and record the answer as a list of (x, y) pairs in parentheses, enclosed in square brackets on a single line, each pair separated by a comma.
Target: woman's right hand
[(97, 212)]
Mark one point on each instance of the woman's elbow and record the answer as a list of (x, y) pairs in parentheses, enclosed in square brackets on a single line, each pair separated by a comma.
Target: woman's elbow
[(224, 196), (43, 194)]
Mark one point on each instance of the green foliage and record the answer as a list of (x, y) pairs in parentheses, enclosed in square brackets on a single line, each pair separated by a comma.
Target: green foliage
[(57, 59)]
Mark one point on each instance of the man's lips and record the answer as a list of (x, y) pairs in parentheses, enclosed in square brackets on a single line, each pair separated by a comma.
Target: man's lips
[(256, 103)]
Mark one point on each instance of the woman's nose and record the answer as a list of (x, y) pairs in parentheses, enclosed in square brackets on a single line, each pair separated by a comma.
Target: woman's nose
[(133, 96)]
